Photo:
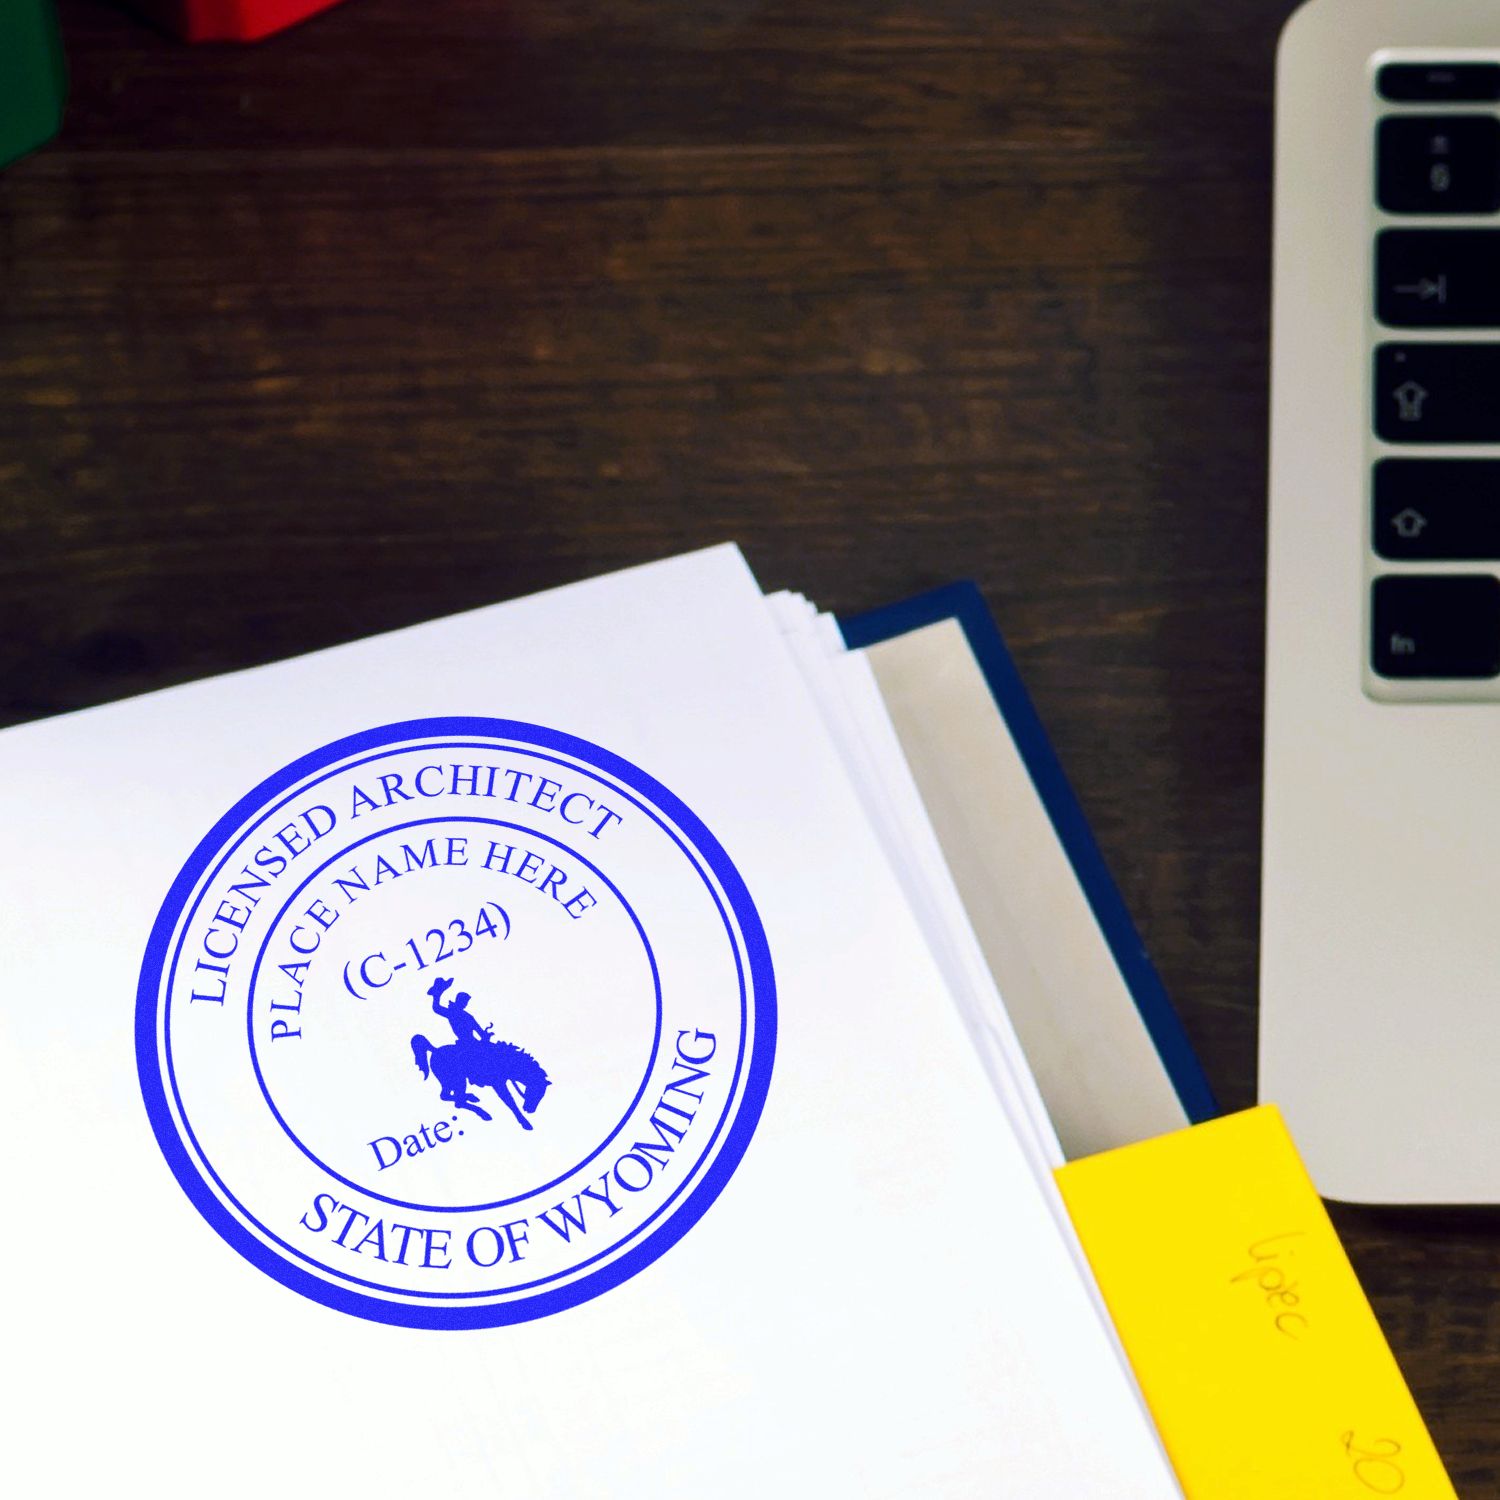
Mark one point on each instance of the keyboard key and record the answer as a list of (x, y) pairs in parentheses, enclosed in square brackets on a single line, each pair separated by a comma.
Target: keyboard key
[(1438, 278), (1439, 83), (1437, 393), (1436, 626), (1437, 509), (1439, 164)]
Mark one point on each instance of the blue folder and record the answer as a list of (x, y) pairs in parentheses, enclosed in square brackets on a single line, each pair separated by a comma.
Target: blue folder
[(964, 604)]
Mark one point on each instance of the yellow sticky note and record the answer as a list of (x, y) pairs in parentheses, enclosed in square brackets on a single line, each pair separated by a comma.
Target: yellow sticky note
[(1258, 1353)]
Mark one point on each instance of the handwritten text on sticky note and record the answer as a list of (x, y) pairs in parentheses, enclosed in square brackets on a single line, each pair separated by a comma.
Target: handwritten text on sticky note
[(1254, 1345)]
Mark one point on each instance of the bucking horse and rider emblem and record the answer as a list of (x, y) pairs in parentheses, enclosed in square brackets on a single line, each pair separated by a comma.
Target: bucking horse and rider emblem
[(477, 1058)]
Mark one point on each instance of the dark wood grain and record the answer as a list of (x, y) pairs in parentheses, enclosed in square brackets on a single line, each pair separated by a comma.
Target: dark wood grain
[(425, 305)]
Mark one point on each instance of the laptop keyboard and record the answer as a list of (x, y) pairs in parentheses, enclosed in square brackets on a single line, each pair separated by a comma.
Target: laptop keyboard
[(1436, 381)]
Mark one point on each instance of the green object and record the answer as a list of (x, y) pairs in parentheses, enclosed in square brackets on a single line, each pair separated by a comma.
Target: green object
[(33, 77)]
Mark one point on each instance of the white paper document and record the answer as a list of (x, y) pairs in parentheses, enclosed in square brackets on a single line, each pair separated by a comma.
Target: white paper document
[(539, 1052)]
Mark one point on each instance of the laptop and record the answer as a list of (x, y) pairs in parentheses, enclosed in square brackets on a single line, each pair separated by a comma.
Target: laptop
[(1380, 972)]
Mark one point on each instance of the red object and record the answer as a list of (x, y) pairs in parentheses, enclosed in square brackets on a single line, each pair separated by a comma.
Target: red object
[(229, 20)]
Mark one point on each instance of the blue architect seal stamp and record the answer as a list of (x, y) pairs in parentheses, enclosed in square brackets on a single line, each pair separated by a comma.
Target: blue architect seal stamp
[(455, 1023)]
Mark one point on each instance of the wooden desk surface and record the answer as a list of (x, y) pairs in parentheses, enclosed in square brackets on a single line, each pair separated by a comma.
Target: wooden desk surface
[(425, 305)]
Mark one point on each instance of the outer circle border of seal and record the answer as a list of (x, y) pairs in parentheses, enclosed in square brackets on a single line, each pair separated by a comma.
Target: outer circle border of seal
[(742, 1125)]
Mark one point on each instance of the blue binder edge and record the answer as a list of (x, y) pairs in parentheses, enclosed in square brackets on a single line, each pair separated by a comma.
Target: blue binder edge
[(964, 603)]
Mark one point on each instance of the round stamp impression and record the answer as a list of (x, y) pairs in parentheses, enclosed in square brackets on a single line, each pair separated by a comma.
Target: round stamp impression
[(455, 1023)]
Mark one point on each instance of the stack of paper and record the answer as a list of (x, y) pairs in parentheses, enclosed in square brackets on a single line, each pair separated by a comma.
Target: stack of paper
[(541, 1052)]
